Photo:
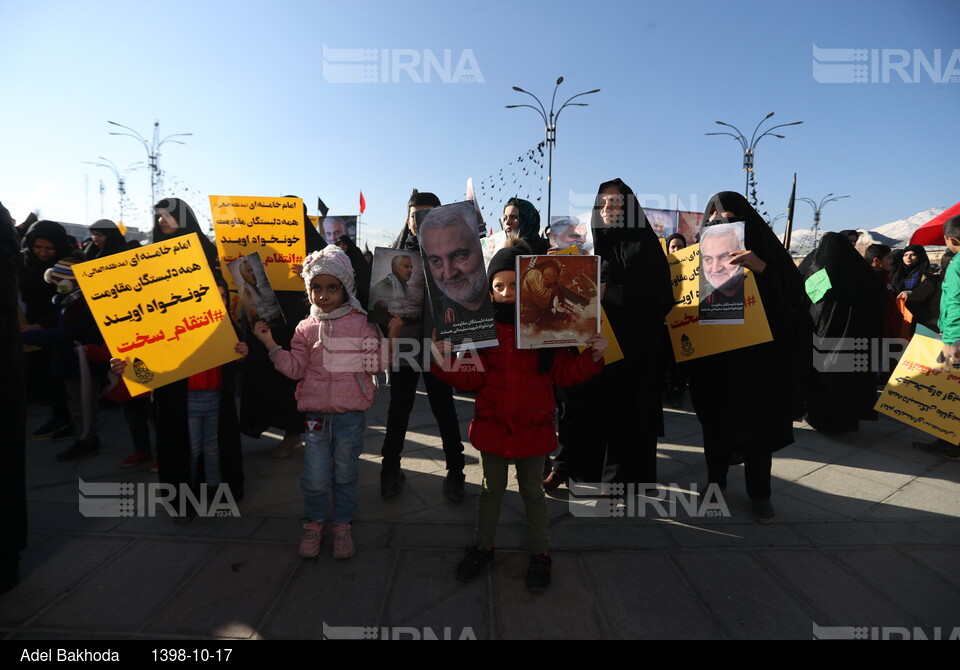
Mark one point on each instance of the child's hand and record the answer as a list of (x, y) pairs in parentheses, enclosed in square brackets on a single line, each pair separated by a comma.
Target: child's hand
[(441, 347), (394, 326), (598, 345), (242, 348), (117, 366), (951, 354), (262, 332)]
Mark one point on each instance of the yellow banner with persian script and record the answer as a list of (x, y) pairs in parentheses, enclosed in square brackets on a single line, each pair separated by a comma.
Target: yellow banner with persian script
[(274, 227), (159, 309), (923, 391), (690, 339)]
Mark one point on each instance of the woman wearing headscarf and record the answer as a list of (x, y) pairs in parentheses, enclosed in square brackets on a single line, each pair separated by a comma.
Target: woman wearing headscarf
[(910, 271), (267, 398), (609, 426), (175, 218), (107, 240), (746, 399), (44, 244), (521, 218), (853, 307)]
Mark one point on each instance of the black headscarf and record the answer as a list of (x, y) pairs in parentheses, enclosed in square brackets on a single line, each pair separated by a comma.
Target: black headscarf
[(186, 223), (115, 242), (675, 236), (35, 292), (906, 277), (853, 286), (529, 229), (630, 251)]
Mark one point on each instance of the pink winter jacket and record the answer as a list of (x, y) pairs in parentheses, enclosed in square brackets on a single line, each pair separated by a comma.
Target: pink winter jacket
[(336, 361)]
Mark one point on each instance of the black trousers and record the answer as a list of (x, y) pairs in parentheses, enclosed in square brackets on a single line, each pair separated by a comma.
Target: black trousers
[(403, 392)]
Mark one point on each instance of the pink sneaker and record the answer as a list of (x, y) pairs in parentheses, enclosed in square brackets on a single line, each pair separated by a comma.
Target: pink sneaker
[(310, 542), (343, 546)]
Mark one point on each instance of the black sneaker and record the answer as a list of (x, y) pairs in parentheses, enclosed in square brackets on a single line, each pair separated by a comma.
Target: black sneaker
[(67, 432), (538, 573), (763, 511), (79, 450), (47, 430), (453, 485), (472, 564), (391, 482)]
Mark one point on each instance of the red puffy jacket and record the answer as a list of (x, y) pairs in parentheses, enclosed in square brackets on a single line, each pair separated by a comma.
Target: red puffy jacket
[(515, 407)]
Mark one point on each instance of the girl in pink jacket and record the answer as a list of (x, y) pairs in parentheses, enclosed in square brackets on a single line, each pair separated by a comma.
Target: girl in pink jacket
[(335, 354)]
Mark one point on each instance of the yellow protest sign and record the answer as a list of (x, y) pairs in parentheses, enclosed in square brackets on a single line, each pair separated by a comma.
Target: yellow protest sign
[(613, 353), (271, 226), (692, 340), (922, 392), (159, 309)]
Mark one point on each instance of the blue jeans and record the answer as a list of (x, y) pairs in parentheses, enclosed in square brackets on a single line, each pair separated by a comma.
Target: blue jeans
[(203, 416), (332, 445)]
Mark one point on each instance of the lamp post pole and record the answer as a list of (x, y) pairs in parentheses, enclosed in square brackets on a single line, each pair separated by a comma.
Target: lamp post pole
[(817, 208), (121, 177), (153, 152), (750, 146), (550, 126)]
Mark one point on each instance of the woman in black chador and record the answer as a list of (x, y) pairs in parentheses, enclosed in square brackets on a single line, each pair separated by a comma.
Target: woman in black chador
[(746, 399), (609, 426), (843, 387)]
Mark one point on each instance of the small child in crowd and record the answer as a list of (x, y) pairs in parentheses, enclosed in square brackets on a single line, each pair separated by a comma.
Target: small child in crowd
[(75, 324), (514, 417), (336, 354)]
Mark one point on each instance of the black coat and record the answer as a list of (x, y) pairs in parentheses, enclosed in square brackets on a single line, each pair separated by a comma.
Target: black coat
[(853, 308), (746, 399)]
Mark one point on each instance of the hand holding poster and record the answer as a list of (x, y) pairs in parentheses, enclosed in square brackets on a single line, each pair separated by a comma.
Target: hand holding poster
[(274, 227), (558, 302), (691, 340), (923, 392), (159, 309), (456, 277)]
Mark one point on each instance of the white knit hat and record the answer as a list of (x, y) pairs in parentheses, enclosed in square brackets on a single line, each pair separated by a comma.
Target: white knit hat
[(332, 261)]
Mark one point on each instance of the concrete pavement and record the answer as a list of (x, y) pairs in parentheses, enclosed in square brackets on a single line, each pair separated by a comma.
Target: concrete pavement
[(866, 543)]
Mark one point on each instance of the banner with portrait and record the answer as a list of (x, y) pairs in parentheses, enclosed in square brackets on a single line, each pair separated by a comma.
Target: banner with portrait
[(273, 227), (690, 339)]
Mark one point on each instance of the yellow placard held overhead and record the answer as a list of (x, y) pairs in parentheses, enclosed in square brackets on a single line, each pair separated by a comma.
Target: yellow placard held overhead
[(159, 309), (274, 227), (923, 392), (692, 340)]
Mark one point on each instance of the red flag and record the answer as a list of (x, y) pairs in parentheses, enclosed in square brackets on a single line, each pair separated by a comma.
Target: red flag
[(363, 203)]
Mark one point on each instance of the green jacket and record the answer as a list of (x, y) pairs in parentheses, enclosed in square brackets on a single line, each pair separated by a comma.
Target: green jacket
[(949, 322)]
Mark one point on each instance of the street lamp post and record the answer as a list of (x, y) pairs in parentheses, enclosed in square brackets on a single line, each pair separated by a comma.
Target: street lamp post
[(153, 152), (550, 125), (750, 147), (817, 208), (121, 177)]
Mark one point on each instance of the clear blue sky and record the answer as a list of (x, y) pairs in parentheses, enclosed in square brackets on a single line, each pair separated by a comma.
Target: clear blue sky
[(268, 117)]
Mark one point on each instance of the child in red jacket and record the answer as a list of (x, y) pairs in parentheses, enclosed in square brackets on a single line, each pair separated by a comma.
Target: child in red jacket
[(514, 417)]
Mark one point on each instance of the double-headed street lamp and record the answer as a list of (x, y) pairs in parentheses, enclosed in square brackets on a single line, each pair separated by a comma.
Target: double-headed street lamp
[(153, 152), (817, 208), (550, 124), (750, 147), (121, 177)]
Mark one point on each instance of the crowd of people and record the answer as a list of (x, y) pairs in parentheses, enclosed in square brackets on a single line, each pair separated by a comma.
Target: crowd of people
[(313, 376)]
